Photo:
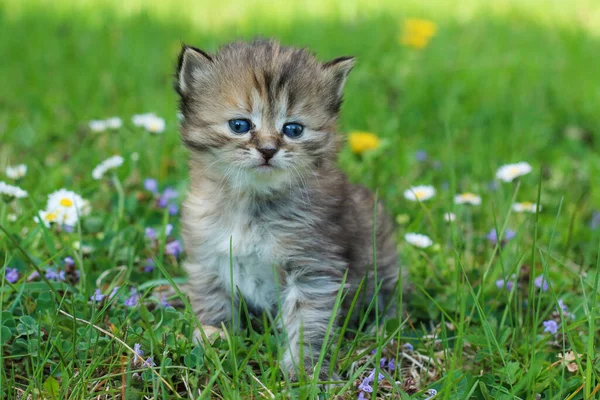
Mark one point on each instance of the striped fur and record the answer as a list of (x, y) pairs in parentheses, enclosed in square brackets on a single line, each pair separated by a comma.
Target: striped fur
[(295, 229)]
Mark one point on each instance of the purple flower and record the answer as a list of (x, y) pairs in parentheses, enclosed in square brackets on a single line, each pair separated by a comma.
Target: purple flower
[(501, 283), (11, 275), (164, 302), (69, 262), (373, 351), (149, 362), (173, 209), (68, 228), (595, 222), (361, 396), (431, 393), (365, 386), (133, 299), (421, 155), (382, 362), (97, 296), (168, 229), (150, 233), (408, 347), (541, 283), (137, 348), (53, 274), (113, 293), (492, 236), (550, 326), (166, 197), (174, 248), (392, 365), (33, 275), (149, 267), (151, 185)]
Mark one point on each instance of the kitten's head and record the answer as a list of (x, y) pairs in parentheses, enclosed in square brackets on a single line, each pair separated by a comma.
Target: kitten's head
[(260, 113)]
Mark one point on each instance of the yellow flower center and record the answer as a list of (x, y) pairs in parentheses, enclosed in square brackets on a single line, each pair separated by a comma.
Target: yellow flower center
[(469, 196), (420, 193), (51, 217), (514, 171), (527, 204), (363, 141), (66, 202)]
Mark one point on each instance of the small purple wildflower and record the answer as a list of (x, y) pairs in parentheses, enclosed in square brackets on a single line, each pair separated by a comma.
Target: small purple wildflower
[(137, 348), (113, 293), (170, 193), (595, 221), (174, 248), (168, 229), (149, 267), (365, 386), (550, 326), (149, 362), (69, 262), (361, 396), (565, 309), (11, 275), (151, 185), (382, 362), (33, 275), (541, 283), (173, 209), (501, 283), (408, 347), (53, 274), (431, 393), (392, 364), (373, 351), (150, 233), (133, 299), (68, 228), (164, 302), (421, 155), (97, 296), (492, 236)]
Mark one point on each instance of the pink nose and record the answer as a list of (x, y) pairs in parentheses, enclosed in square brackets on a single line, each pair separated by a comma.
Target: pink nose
[(267, 152)]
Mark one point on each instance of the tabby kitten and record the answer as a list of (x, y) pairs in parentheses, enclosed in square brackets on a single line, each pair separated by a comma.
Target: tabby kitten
[(260, 124)]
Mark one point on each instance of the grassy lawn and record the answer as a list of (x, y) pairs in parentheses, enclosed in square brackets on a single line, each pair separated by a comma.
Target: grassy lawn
[(499, 82)]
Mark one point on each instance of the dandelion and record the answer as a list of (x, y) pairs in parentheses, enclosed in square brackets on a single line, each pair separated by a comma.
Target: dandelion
[(492, 236), (418, 240), (97, 296), (10, 192), (526, 206), (11, 275), (509, 172), (550, 326), (133, 299), (106, 165), (174, 248), (16, 171), (449, 217), (151, 185), (417, 32), (362, 141), (419, 193), (113, 123), (467, 198), (97, 125), (541, 283)]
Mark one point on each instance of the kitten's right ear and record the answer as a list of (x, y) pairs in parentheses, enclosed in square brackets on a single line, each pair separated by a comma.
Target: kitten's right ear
[(192, 62)]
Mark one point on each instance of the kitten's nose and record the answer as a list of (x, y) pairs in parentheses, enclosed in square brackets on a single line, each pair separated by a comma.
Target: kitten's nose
[(267, 152)]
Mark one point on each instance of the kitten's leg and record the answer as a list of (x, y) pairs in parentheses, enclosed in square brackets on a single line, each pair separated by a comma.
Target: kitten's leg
[(307, 308), (210, 301)]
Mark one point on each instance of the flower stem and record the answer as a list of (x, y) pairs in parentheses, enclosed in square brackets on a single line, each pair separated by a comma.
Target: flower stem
[(121, 194)]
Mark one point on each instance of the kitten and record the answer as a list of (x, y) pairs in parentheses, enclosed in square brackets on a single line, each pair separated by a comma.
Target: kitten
[(260, 124)]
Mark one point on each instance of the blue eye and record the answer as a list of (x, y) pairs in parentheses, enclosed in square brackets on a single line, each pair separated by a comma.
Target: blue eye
[(293, 130), (240, 126)]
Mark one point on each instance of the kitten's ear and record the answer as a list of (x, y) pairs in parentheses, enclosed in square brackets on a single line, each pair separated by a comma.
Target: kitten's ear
[(338, 69), (192, 62)]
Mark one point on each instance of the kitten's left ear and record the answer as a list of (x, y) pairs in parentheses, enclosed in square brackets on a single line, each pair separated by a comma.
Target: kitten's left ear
[(192, 62), (338, 69)]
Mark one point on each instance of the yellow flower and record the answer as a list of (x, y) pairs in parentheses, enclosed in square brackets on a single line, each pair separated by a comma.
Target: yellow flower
[(363, 141), (417, 32)]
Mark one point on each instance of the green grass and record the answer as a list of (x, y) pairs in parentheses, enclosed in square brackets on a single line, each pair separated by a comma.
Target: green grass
[(500, 82)]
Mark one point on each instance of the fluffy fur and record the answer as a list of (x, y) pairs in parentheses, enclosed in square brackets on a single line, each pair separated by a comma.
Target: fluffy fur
[(294, 226)]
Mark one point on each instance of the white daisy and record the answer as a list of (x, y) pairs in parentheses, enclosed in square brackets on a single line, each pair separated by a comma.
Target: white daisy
[(419, 193), (10, 192), (418, 240), (467, 198), (97, 125), (154, 124), (46, 217), (526, 206), (509, 172), (85, 248), (449, 217), (16, 171), (67, 200), (108, 164), (113, 123)]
